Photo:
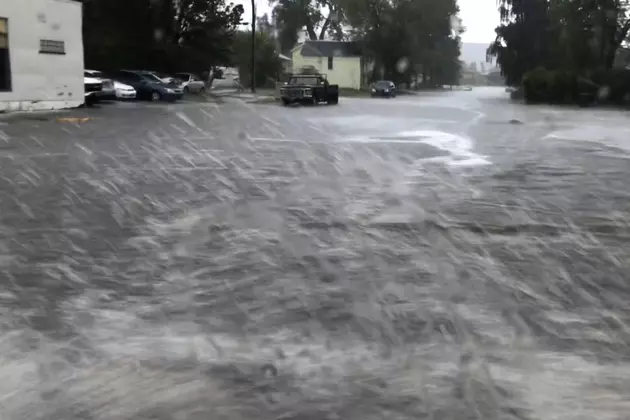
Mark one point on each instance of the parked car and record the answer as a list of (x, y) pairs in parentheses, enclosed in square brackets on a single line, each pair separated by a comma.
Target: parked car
[(384, 88), (92, 88), (124, 91), (190, 82), (108, 91), (169, 80), (148, 85)]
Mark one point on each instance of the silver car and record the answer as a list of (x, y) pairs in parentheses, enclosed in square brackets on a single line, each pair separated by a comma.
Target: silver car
[(190, 82), (109, 90)]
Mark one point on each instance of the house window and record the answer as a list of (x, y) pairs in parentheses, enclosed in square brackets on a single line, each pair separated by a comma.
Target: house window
[(5, 64), (330, 63), (47, 46)]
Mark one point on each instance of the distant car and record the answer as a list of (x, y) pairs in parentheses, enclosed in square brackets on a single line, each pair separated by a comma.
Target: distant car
[(384, 89), (148, 85), (108, 91), (190, 82), (124, 91), (92, 88), (304, 88)]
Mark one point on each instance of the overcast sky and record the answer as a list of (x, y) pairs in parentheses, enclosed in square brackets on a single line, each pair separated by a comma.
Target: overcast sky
[(480, 17)]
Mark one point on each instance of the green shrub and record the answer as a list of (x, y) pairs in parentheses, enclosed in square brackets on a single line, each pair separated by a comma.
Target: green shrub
[(615, 84), (558, 87), (610, 86), (536, 85), (565, 87), (517, 93)]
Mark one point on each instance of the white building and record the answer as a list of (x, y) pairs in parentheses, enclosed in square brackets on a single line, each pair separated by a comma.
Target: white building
[(41, 55)]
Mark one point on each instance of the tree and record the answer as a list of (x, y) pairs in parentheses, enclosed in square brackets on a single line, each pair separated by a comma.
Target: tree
[(319, 18), (268, 65), (264, 25), (407, 39), (523, 39), (163, 35), (574, 35)]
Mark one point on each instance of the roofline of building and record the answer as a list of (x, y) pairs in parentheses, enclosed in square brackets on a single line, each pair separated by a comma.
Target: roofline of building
[(314, 41), (298, 45), (70, 2)]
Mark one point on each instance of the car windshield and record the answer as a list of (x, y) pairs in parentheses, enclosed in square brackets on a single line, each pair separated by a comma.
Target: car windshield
[(151, 77), (96, 74), (313, 80), (383, 84)]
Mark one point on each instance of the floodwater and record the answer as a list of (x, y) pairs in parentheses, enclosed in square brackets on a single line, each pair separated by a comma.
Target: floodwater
[(446, 256)]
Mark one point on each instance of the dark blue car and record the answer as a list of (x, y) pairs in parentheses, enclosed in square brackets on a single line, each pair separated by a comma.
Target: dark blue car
[(384, 89), (148, 86)]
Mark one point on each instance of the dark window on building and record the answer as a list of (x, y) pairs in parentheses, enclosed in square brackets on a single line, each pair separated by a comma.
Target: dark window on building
[(330, 63), (5, 63), (48, 46)]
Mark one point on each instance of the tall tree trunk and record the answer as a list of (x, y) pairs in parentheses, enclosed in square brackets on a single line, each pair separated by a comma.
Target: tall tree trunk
[(322, 32), (310, 29)]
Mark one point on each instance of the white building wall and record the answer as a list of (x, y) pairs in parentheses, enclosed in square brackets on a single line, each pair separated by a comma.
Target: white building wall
[(43, 81)]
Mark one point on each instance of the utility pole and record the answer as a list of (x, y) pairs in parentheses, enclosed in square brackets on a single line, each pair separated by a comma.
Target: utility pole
[(253, 63)]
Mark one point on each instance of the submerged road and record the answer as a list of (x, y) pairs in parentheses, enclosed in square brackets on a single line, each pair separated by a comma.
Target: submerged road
[(440, 256)]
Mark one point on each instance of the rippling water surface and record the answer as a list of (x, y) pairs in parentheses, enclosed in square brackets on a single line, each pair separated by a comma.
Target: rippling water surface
[(439, 257)]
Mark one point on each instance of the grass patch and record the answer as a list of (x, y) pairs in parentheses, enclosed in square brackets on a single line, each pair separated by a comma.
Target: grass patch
[(356, 93), (268, 92)]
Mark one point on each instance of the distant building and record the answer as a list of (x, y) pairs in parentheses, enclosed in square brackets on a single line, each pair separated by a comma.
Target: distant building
[(287, 63), (41, 55), (340, 61)]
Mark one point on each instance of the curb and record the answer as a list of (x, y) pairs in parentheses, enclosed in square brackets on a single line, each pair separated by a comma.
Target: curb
[(33, 115)]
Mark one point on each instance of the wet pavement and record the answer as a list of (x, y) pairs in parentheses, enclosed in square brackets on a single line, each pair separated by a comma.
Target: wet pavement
[(443, 256)]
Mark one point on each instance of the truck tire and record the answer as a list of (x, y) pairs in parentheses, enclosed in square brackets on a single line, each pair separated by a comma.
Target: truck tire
[(285, 101), (334, 100)]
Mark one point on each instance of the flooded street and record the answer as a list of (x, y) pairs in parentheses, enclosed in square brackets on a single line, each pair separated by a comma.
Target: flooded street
[(440, 256)]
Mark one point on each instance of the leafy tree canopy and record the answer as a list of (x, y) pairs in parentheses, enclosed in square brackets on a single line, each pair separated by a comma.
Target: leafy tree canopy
[(169, 35), (576, 35)]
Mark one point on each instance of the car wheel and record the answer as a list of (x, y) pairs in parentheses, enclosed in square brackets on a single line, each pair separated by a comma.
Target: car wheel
[(186, 90), (155, 96)]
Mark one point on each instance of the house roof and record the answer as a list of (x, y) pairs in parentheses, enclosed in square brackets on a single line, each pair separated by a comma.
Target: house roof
[(331, 49)]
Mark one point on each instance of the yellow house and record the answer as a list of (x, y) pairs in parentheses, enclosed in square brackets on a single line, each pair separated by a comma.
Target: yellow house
[(340, 61)]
